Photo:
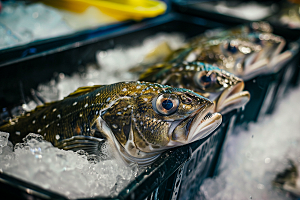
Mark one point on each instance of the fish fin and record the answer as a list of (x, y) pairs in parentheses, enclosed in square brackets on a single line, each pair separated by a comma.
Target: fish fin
[(83, 90), (89, 144), (152, 71), (159, 53)]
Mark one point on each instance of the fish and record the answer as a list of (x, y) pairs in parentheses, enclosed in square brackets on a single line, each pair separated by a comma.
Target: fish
[(245, 51), (289, 179), (242, 55), (241, 30), (140, 120), (223, 88)]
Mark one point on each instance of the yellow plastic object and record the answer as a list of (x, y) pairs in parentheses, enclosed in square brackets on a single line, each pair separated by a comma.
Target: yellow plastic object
[(119, 9)]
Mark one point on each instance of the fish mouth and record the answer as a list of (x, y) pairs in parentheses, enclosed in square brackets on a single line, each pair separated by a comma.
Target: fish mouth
[(196, 127), (203, 124), (232, 98)]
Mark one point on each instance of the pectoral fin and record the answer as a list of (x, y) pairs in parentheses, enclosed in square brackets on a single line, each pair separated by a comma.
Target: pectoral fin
[(89, 144)]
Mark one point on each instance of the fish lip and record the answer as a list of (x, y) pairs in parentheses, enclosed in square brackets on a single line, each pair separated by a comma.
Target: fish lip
[(200, 119), (232, 97), (204, 123)]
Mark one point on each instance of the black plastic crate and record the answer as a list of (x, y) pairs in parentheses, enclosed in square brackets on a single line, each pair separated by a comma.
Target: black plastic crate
[(204, 159), (163, 179), (194, 8)]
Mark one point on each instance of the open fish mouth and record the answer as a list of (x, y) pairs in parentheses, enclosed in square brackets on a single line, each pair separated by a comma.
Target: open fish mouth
[(204, 123), (196, 127), (232, 98)]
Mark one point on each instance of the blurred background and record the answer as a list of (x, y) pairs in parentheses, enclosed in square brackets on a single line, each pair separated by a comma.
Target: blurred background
[(48, 48)]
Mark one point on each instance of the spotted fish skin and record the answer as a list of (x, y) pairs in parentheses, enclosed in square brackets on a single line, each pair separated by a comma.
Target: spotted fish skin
[(191, 75), (75, 115), (220, 86), (139, 119), (238, 50)]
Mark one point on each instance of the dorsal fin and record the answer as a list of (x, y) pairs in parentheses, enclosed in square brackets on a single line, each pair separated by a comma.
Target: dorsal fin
[(78, 92), (83, 90), (151, 72)]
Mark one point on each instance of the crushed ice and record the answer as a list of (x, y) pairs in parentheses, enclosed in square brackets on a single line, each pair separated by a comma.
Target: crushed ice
[(73, 174), (113, 66), (21, 23), (252, 158)]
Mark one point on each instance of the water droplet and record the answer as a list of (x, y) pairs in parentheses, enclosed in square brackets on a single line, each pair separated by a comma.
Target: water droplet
[(119, 113), (97, 94), (33, 121), (44, 117), (138, 87), (45, 134), (47, 125), (260, 186), (107, 100), (267, 160), (57, 137), (124, 89), (125, 108), (80, 115), (75, 103), (57, 124), (18, 133), (54, 109), (39, 130), (61, 75), (58, 116), (86, 105), (114, 126)]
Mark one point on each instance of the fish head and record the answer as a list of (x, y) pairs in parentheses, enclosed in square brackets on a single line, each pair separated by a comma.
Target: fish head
[(232, 53), (154, 117), (224, 88)]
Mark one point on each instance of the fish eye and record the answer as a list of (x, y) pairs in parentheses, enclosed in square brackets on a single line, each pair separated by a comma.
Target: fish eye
[(166, 104), (205, 79), (231, 47)]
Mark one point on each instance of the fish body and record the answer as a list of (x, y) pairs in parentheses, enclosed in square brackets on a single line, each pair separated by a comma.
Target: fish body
[(220, 86), (139, 119)]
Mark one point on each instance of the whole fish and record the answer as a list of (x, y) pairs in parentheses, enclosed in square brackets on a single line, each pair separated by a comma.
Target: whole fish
[(140, 119), (241, 54), (245, 51), (220, 86)]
